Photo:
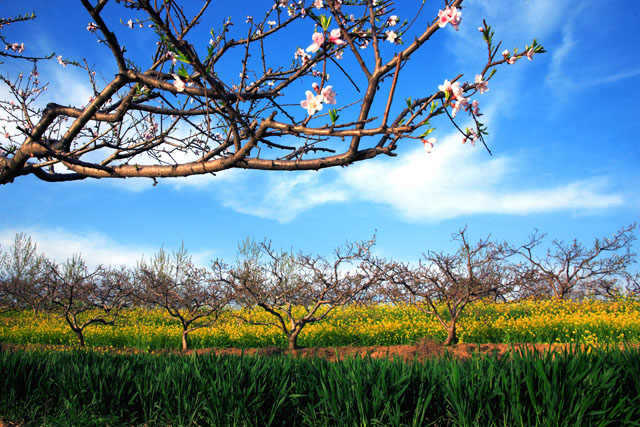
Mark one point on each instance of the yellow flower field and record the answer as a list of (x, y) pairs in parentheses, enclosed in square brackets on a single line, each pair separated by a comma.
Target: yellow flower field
[(483, 322)]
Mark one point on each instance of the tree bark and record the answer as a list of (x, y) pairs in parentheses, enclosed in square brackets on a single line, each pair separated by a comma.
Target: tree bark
[(452, 337), (80, 336), (185, 341), (293, 339)]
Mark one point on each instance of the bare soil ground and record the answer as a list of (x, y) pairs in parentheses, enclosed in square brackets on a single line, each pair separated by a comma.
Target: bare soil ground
[(421, 351)]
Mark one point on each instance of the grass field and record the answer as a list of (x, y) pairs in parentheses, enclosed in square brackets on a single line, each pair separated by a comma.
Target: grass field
[(87, 388)]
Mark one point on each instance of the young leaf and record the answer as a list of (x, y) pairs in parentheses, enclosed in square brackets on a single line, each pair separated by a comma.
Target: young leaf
[(182, 72), (325, 22), (333, 115), (427, 132)]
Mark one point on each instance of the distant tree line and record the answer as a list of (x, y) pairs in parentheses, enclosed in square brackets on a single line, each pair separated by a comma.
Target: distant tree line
[(297, 289)]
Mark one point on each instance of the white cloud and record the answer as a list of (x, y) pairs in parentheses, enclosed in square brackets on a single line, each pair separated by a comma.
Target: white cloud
[(455, 180), (558, 75), (621, 75), (95, 248), (68, 86), (282, 196)]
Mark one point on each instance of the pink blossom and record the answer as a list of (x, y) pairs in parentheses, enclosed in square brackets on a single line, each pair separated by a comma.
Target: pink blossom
[(391, 36), (178, 83), (457, 105), (315, 86), (339, 54), (272, 23), (334, 37), (474, 106), (456, 90), (471, 135), (512, 60), (481, 85), (130, 24), (529, 54), (392, 21), (15, 47), (450, 15), (445, 87), (318, 4), (318, 41), (316, 73), (6, 135), (304, 57), (481, 29), (91, 27), (329, 95), (313, 102), (453, 89), (151, 130), (428, 144), (61, 62), (505, 53)]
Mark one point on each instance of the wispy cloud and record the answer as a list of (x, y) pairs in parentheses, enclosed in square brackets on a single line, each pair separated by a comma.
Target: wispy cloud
[(454, 181), (281, 196), (622, 75), (95, 248), (459, 180), (558, 76)]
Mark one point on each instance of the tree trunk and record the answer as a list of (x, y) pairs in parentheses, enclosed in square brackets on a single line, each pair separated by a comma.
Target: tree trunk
[(293, 338), (80, 336), (185, 341), (452, 338)]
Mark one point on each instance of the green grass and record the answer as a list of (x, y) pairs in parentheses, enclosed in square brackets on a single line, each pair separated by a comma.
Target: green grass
[(91, 388)]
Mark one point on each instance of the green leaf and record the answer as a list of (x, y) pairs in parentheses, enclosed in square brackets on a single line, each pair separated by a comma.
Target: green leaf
[(180, 56), (325, 22), (182, 72), (333, 114), (427, 132)]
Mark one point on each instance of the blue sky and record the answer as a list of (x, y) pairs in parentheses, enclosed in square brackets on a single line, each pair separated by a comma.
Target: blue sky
[(563, 132)]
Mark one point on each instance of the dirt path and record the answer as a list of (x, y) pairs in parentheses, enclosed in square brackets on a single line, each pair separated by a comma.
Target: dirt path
[(421, 351)]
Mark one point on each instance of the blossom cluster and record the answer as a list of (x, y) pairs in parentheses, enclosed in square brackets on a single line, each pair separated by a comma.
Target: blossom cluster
[(15, 47), (319, 39), (456, 93), (450, 15), (511, 59), (314, 103)]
